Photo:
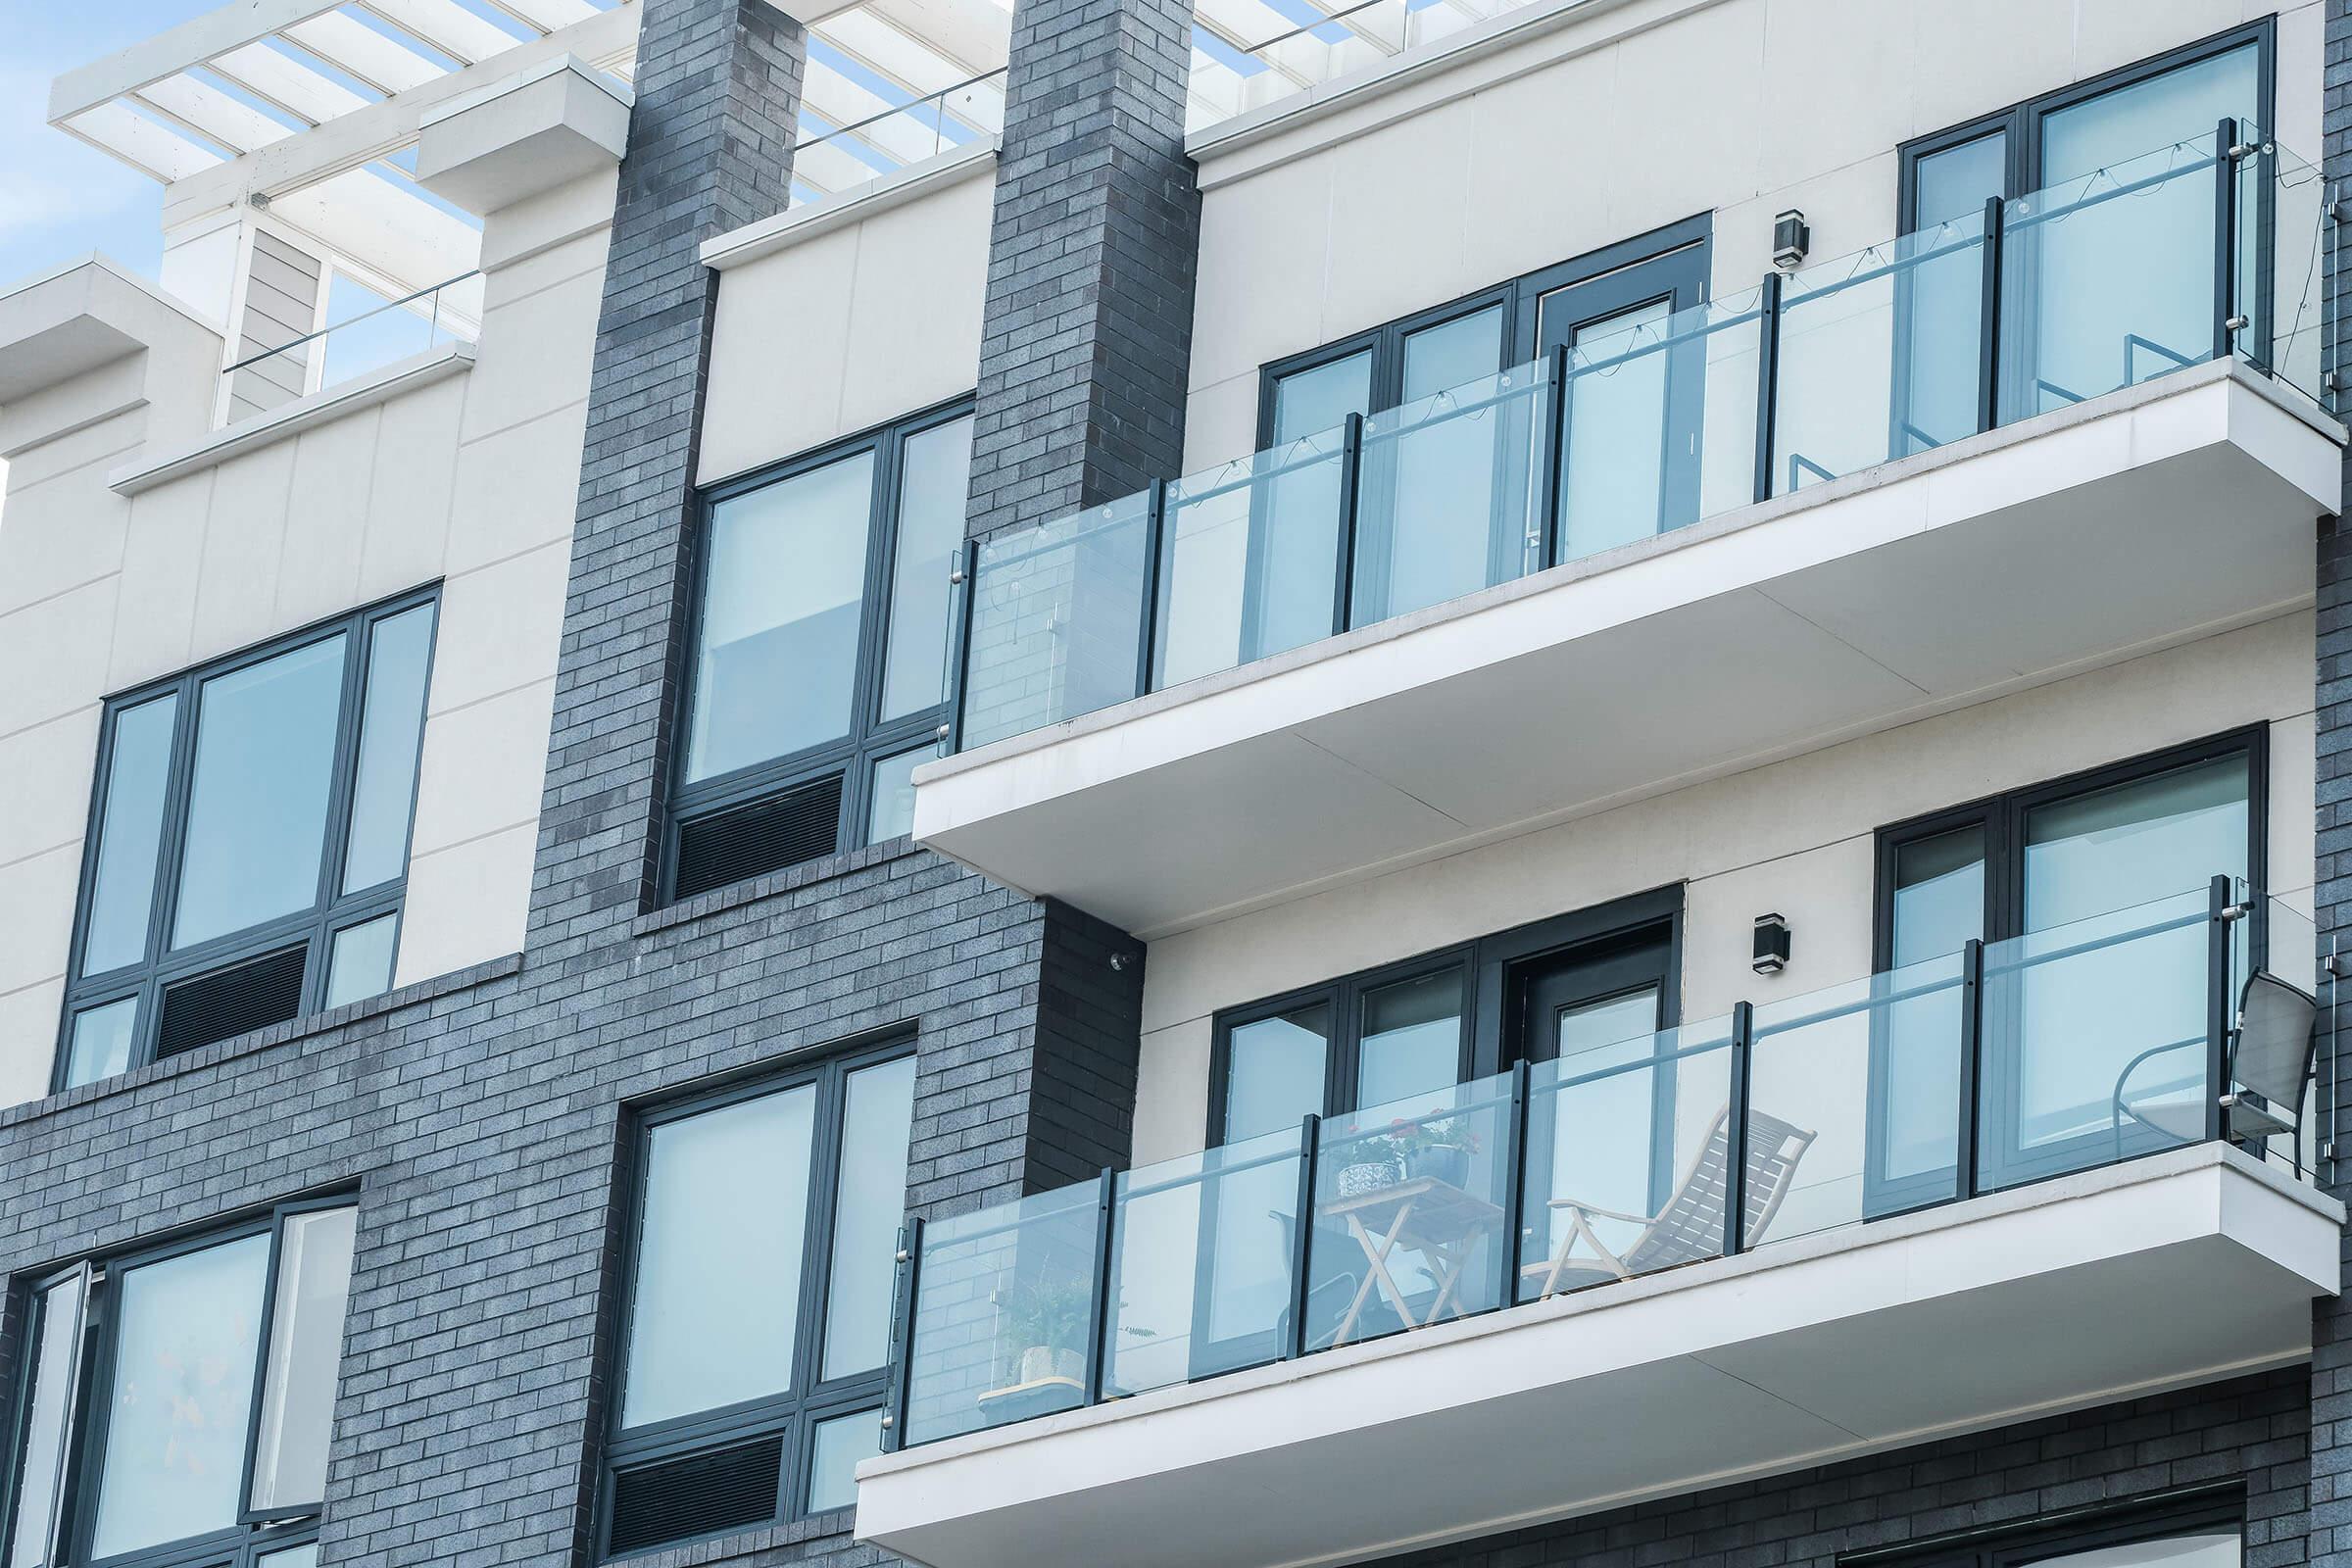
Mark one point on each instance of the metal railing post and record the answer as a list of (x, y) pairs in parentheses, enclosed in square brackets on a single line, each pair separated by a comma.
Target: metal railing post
[(1972, 1065), (1768, 375), (901, 1342), (1155, 530), (1988, 348), (1514, 1186), (964, 583), (1351, 463), (1735, 1132), (1310, 1148), (2224, 236), (1099, 1328), (1555, 454), (2219, 913)]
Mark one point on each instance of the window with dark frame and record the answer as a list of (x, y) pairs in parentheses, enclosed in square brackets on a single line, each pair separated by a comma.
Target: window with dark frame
[(2202, 1529), (817, 669), (247, 856), (173, 1403), (763, 1260), (2091, 853)]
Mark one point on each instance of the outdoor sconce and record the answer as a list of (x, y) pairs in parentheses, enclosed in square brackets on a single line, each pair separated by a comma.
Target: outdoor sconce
[(1772, 945), (1791, 238)]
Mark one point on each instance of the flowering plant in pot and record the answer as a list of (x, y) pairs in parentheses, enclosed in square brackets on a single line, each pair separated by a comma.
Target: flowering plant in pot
[(1433, 1147)]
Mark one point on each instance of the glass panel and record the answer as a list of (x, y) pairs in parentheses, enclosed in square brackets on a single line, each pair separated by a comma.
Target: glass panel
[(783, 591), (257, 809), (889, 809), (1003, 1309), (122, 890), (1612, 481), (1879, 354), (1938, 908), (1274, 1071), (102, 1039), (1202, 1248), (835, 1448), (2281, 272), (2136, 842), (1409, 1038), (1408, 1212), (361, 964), (304, 1555), (1624, 1162), (1307, 402), (718, 1257), (934, 483), (1251, 551), (1819, 1099), (2095, 1041), (1938, 894), (1448, 496), (306, 1349), (1057, 621), (391, 728), (1959, 181), (1451, 354), (2179, 105), (52, 1339), (870, 1199), (2273, 1053), (187, 1337), (2223, 1549), (2086, 307)]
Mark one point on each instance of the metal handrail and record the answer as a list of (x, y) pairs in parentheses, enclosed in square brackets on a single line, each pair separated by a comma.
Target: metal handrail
[(327, 332)]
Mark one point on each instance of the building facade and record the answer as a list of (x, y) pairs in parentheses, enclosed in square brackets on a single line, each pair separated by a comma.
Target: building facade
[(1471, 784)]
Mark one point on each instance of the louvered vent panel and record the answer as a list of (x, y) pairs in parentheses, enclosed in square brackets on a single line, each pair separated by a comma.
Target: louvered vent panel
[(698, 1494), (249, 995), (764, 835)]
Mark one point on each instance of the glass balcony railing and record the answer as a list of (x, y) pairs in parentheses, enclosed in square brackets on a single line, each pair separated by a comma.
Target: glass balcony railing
[(2204, 249), (2185, 1020), (342, 350)]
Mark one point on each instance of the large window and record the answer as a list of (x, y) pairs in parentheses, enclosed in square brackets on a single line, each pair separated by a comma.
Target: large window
[(173, 1405), (2195, 1532), (2073, 863), (759, 1317), (819, 654), (249, 842)]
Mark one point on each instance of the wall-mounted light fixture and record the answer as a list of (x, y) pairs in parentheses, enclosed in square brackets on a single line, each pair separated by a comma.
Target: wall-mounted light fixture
[(1772, 945), (1791, 238)]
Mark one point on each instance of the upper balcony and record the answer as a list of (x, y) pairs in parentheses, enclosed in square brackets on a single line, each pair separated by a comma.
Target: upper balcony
[(2084, 424), (2026, 1176)]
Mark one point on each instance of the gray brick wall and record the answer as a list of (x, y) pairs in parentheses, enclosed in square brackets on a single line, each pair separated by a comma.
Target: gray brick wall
[(2250, 1432), (2331, 1319), (1087, 334)]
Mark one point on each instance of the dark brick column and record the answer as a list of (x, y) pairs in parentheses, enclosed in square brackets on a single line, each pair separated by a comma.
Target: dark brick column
[(1087, 333), (2329, 1517), (718, 84)]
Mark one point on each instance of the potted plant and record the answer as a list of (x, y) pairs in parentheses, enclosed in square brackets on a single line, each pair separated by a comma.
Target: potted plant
[(1047, 1316), (1434, 1148)]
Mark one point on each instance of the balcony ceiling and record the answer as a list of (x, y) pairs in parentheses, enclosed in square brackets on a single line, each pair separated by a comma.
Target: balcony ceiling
[(2159, 1273), (2156, 514)]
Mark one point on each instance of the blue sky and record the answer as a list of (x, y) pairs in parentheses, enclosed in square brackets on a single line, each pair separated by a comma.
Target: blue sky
[(60, 199)]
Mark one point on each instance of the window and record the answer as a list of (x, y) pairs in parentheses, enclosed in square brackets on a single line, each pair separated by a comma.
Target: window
[(819, 654), (759, 1321), (2095, 856), (2128, 321), (200, 1434), (2198, 1532), (249, 842)]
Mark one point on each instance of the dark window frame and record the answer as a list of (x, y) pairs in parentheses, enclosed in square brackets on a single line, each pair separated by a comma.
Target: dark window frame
[(1518, 297), (1486, 964), (2199, 1510), (792, 1415), (256, 1533), (870, 739), (332, 910), (2002, 817)]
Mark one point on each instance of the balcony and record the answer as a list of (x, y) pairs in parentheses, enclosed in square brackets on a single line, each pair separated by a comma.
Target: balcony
[(1939, 468), (1985, 1184)]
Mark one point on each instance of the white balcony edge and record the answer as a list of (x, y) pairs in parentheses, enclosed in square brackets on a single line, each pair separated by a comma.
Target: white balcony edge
[(329, 404), (754, 241)]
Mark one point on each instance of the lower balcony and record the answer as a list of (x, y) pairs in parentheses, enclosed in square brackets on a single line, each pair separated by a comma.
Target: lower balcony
[(2029, 1176)]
